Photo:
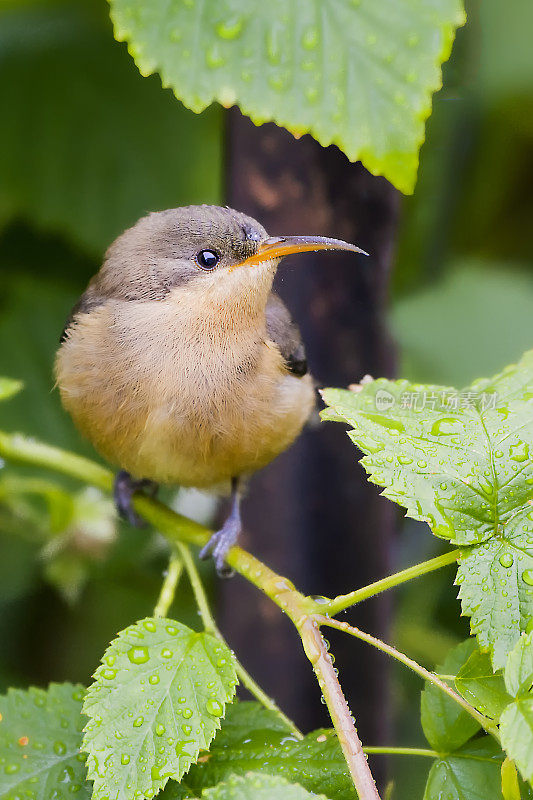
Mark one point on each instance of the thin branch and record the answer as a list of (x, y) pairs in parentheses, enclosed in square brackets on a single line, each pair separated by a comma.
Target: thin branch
[(487, 724), (168, 589), (300, 609), (211, 627), (343, 722), (344, 601), (401, 751)]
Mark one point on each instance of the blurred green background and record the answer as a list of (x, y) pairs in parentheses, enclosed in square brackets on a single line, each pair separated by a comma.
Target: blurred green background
[(87, 146)]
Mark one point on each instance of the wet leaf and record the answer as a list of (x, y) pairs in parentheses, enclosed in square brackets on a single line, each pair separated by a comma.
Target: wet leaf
[(357, 75), (253, 739), (40, 739), (157, 700), (255, 786), (462, 462)]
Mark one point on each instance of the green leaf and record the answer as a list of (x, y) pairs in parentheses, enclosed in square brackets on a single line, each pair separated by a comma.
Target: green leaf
[(156, 702), (516, 721), (465, 470), (510, 785), (481, 687), (254, 739), (111, 145), (516, 733), (9, 387), (256, 786), (471, 773), (446, 725), (40, 738), (359, 75), (519, 668)]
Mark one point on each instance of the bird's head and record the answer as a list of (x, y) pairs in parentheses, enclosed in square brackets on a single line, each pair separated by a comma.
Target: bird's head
[(214, 251)]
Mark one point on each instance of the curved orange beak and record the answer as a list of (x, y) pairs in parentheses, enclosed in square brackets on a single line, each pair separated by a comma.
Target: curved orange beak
[(279, 246)]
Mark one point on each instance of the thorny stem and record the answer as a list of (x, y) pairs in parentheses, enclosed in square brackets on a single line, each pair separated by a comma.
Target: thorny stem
[(168, 589), (305, 613), (487, 724), (211, 627), (344, 601), (343, 722)]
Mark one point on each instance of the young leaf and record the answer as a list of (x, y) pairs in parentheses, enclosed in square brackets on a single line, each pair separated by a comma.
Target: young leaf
[(156, 702), (481, 687), (40, 739), (510, 785), (519, 668), (516, 721), (446, 725), (252, 738), (516, 732), (461, 461), (471, 773), (361, 78), (255, 786), (9, 387)]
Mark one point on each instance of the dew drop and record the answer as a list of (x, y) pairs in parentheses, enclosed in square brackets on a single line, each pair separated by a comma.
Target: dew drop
[(216, 709), (187, 713), (153, 679), (230, 28), (125, 759), (108, 674), (506, 560), (310, 38), (138, 722), (138, 655), (519, 452), (447, 426), (273, 45), (160, 729), (527, 576)]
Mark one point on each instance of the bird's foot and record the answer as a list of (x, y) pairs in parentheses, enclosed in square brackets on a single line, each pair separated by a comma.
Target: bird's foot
[(123, 490), (219, 544)]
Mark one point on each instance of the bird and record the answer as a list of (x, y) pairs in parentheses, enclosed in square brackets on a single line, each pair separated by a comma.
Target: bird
[(181, 364)]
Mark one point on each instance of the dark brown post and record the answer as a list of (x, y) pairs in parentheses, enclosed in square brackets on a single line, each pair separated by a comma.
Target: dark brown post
[(311, 514)]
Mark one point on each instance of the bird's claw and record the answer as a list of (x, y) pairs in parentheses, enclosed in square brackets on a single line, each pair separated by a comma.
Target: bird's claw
[(123, 490), (218, 546)]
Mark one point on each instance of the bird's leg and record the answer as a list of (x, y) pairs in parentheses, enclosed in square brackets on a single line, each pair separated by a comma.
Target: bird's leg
[(221, 541), (123, 490)]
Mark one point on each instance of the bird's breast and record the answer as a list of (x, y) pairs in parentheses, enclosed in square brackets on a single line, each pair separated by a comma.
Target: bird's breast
[(178, 396)]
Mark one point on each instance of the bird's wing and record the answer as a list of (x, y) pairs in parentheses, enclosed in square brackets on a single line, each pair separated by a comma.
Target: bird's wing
[(87, 301), (285, 334)]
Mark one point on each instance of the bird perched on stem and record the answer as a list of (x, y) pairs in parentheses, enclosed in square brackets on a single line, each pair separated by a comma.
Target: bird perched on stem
[(180, 364)]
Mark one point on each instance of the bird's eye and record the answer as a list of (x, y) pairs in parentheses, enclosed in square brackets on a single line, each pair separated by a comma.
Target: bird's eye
[(207, 259)]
